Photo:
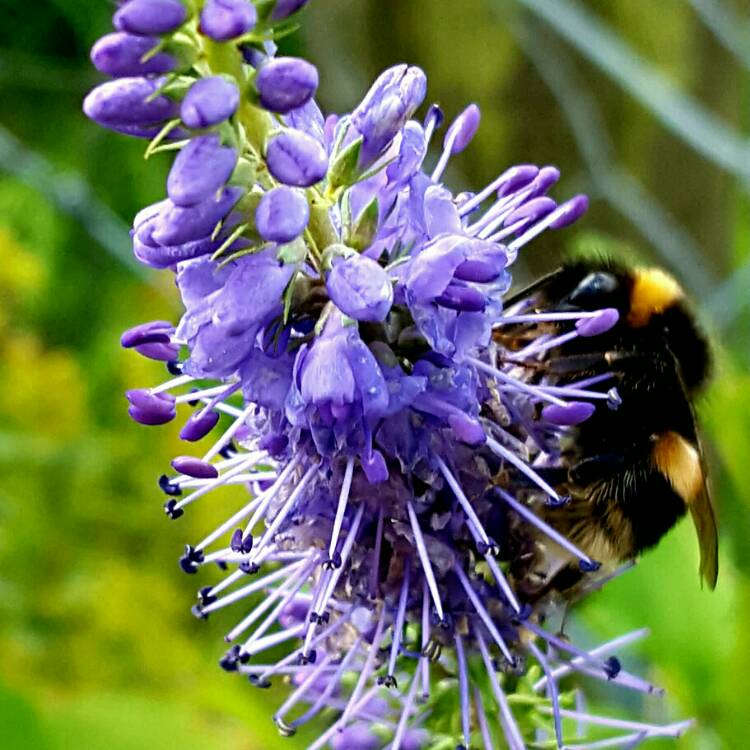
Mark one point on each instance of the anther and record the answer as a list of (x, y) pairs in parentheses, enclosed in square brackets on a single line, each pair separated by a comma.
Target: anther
[(172, 511), (191, 559), (249, 568), (388, 681), (284, 729), (198, 612), (614, 400), (168, 487), (612, 667), (174, 367), (205, 596), (589, 566)]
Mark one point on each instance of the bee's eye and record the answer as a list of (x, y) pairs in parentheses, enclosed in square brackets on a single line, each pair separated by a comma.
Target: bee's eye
[(594, 285)]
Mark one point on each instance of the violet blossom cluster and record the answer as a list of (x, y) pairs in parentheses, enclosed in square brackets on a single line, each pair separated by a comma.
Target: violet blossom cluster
[(336, 355)]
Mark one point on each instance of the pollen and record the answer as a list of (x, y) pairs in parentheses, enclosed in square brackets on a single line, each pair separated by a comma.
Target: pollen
[(680, 463), (653, 292)]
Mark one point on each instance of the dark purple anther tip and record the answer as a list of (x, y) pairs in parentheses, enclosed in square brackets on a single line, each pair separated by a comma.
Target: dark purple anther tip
[(198, 613), (150, 16), (297, 159), (589, 566), (463, 129), (151, 408), (194, 467), (286, 83), (571, 211), (172, 511), (209, 101), (168, 487), (154, 332), (612, 667), (602, 322), (462, 298), (228, 450), (434, 117), (199, 425), (249, 568), (614, 400), (205, 596), (531, 211), (191, 559), (572, 413), (282, 214), (515, 178), (222, 20), (231, 660)]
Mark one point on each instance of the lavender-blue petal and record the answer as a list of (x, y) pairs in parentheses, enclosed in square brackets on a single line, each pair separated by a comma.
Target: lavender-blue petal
[(222, 20), (199, 170), (150, 16), (360, 288), (297, 159), (120, 54), (126, 101), (209, 101), (286, 83), (282, 214)]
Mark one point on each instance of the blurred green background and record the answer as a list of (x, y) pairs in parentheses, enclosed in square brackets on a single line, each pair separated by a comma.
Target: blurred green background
[(644, 105)]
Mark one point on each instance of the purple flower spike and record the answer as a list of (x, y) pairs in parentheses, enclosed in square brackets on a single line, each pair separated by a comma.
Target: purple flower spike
[(390, 102), (599, 323), (119, 54), (286, 83), (360, 288), (222, 20), (199, 170), (199, 425), (463, 129), (573, 413), (151, 408), (282, 214), (209, 102), (176, 225), (194, 467), (297, 159), (571, 211), (285, 8), (150, 16), (154, 332), (127, 101)]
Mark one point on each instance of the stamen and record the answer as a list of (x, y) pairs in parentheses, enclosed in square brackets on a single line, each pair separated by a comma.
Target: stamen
[(375, 570), (463, 500), (292, 700), (483, 614), (517, 384), (229, 434), (651, 730), (512, 733), (552, 690), (502, 582), (566, 212), (408, 704), (340, 510), (425, 640), (425, 559), (263, 644), (484, 726), (351, 711), (463, 690), (517, 176), (174, 383), (398, 626)]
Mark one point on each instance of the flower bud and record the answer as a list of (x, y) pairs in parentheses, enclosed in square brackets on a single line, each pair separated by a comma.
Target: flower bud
[(119, 54), (285, 8), (209, 102), (176, 225), (199, 170), (462, 130), (126, 102), (150, 16), (296, 159), (360, 288), (286, 83), (282, 214), (390, 102), (199, 425), (222, 20)]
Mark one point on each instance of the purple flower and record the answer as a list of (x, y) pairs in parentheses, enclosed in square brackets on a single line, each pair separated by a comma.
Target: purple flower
[(360, 288), (209, 102), (296, 159), (282, 214), (200, 169), (150, 16), (390, 102), (223, 20), (129, 101), (286, 83), (221, 328), (120, 54)]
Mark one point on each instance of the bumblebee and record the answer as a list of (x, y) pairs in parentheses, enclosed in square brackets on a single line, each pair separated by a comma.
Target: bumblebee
[(631, 472)]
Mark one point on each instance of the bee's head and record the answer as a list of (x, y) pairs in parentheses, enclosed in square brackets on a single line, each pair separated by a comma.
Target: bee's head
[(657, 303)]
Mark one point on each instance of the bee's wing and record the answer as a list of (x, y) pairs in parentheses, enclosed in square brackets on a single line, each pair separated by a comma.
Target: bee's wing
[(701, 507), (536, 286)]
